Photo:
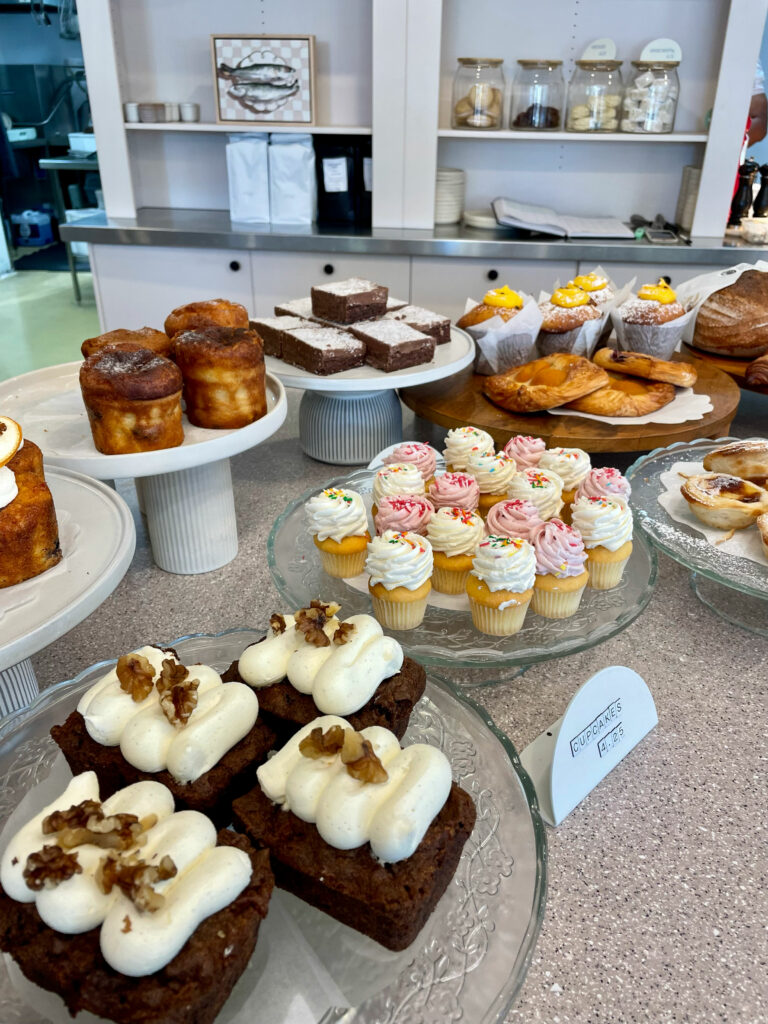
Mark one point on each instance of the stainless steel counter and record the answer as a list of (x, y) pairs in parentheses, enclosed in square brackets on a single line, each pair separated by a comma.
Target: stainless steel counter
[(213, 229)]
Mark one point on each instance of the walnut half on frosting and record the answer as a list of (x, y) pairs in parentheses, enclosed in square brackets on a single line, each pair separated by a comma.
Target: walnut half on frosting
[(357, 753), (86, 823), (47, 867), (178, 693), (135, 675), (135, 879)]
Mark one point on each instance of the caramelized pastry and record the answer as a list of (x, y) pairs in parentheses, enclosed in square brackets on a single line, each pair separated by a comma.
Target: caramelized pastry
[(145, 337), (625, 396), (545, 383), (725, 502), (762, 526), (638, 364), (223, 371), (747, 459), (757, 373), (133, 400), (209, 313)]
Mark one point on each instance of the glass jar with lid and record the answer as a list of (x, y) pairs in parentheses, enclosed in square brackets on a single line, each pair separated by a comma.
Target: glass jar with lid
[(594, 96), (650, 97), (478, 93), (538, 92)]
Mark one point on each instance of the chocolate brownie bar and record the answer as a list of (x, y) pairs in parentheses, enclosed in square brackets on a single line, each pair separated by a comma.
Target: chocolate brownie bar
[(391, 345), (388, 902), (347, 302), (285, 709), (295, 307), (393, 304), (211, 794), (424, 320), (322, 350), (191, 989), (272, 330)]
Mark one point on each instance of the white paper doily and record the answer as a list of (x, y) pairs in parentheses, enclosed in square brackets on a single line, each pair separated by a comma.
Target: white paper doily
[(686, 405)]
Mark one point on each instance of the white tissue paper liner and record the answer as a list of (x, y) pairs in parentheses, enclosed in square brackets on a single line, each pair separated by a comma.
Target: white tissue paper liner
[(696, 291), (502, 344), (744, 543), (685, 406), (657, 340), (285, 981), (582, 341)]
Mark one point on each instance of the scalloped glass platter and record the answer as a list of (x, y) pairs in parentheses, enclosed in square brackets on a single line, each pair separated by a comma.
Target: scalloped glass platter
[(470, 958), (682, 542), (447, 636)]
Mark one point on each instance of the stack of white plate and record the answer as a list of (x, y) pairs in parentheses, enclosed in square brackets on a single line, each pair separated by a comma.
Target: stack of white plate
[(449, 195)]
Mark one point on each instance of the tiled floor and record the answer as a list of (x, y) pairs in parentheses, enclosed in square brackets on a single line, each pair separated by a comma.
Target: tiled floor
[(40, 322)]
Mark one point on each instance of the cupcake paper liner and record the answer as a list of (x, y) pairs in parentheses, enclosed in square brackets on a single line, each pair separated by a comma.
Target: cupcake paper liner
[(556, 604), (399, 614), (343, 566), (498, 621), (605, 575), (449, 581), (657, 340)]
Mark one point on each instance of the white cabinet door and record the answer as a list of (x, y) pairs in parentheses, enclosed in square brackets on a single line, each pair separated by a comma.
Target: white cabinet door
[(647, 273), (279, 276), (138, 285), (444, 283)]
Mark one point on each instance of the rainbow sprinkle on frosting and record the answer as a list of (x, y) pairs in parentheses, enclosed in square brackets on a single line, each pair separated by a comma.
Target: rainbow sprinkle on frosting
[(335, 493)]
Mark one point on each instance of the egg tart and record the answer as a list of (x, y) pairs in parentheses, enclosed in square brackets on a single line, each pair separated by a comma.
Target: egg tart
[(545, 383), (747, 459), (762, 526), (625, 396), (723, 501)]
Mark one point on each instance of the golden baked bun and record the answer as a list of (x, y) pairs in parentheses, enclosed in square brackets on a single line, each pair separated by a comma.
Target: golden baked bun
[(638, 364), (144, 337), (545, 383), (133, 400), (482, 312), (625, 396), (29, 533), (28, 460), (559, 319), (734, 320), (745, 459), (208, 313), (723, 501), (223, 371), (645, 312), (757, 373)]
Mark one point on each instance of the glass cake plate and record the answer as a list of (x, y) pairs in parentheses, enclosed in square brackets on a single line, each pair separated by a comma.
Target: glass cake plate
[(447, 636), (469, 960), (715, 573)]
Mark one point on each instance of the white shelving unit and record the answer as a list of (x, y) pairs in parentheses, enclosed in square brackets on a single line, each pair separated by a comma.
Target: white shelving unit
[(513, 136), (199, 126)]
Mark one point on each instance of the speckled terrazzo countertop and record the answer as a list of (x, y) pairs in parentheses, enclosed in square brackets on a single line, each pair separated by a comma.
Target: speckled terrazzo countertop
[(658, 881)]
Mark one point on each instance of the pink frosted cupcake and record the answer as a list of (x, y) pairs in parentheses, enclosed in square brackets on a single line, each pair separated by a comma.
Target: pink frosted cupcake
[(605, 482), (403, 513), (422, 456), (525, 450), (561, 575), (514, 517), (455, 489)]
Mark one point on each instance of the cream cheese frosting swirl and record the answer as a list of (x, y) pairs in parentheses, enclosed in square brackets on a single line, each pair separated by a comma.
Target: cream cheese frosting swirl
[(559, 550), (570, 464), (602, 522), (393, 816), (336, 513), (492, 472), (397, 478), (543, 488), (604, 482), (8, 488), (225, 712), (455, 489), (422, 456), (505, 563), (525, 450), (340, 678), (208, 877), (455, 531), (459, 443), (399, 560), (514, 517)]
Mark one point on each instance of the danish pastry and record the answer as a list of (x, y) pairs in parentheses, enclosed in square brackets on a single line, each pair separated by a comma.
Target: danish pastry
[(545, 383), (638, 364), (209, 313), (133, 400), (143, 337), (625, 396), (223, 371), (746, 459), (723, 501)]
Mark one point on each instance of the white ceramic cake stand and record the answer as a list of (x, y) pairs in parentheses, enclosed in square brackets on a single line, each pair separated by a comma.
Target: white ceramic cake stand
[(347, 417), (186, 491), (97, 539)]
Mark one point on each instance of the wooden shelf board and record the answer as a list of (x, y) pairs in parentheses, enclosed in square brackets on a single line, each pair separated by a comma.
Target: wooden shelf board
[(543, 136), (203, 126)]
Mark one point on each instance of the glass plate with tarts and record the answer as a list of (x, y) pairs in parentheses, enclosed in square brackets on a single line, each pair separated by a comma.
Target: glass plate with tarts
[(469, 960), (447, 635)]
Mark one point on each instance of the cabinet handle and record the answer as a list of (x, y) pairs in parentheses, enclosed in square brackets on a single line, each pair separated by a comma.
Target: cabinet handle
[(234, 265), (328, 268), (492, 275)]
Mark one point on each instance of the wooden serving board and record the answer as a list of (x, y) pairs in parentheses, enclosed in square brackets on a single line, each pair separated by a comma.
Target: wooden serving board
[(735, 368), (459, 400)]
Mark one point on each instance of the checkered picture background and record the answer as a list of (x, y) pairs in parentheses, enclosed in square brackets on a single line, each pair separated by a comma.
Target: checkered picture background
[(294, 52)]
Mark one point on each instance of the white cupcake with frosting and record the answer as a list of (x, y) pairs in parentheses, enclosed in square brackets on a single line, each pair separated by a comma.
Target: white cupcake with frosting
[(605, 526), (494, 474), (397, 478), (500, 584), (338, 522), (571, 465), (454, 534), (542, 487), (399, 566), (461, 442)]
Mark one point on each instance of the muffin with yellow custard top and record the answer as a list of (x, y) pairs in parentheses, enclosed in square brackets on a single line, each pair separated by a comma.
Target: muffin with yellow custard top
[(564, 315), (595, 285), (501, 302), (651, 321)]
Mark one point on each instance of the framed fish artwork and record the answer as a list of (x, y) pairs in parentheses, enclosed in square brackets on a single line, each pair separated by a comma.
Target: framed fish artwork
[(267, 80)]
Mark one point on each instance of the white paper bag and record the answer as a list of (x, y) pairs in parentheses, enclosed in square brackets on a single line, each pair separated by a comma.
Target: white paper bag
[(248, 177), (292, 184), (696, 291)]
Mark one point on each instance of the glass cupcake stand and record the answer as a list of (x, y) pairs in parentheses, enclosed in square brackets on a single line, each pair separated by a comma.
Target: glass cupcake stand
[(183, 491), (447, 636), (469, 960), (97, 539), (348, 417), (733, 587)]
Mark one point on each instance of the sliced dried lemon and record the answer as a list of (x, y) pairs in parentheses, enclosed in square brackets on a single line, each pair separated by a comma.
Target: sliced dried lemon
[(10, 439)]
